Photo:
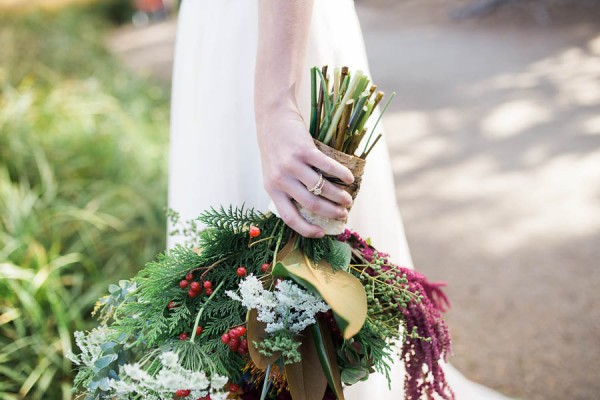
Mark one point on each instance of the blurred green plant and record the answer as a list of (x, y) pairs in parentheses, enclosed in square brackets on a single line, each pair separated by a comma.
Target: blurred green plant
[(82, 189)]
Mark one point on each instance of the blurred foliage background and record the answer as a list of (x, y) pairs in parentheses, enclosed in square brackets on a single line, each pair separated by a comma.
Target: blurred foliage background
[(82, 185)]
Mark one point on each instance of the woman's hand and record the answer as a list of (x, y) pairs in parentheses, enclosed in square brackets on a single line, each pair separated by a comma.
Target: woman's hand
[(287, 152), (288, 157)]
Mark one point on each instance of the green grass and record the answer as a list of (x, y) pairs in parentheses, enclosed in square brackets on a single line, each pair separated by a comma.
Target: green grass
[(82, 189)]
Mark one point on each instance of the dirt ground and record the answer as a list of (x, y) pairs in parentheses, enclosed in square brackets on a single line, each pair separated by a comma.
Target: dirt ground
[(495, 143)]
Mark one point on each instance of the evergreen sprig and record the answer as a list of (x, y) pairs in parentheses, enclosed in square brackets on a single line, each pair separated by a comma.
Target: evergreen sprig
[(232, 218)]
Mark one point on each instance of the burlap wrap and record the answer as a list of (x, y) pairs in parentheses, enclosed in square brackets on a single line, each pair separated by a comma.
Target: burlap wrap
[(356, 166)]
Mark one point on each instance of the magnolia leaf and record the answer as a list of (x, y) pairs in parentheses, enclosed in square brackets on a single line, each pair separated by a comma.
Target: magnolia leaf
[(327, 356), (305, 379), (289, 246), (256, 333), (341, 290)]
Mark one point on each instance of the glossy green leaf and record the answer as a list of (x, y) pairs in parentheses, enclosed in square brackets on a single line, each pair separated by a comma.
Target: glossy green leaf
[(326, 352), (350, 376), (343, 292)]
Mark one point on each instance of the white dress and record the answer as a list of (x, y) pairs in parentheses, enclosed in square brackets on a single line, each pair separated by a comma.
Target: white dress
[(214, 158)]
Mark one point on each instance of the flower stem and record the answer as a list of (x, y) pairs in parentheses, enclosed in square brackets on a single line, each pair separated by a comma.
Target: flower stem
[(265, 388), (202, 310), (277, 246)]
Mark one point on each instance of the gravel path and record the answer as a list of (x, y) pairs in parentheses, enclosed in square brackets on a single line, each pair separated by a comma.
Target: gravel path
[(495, 141)]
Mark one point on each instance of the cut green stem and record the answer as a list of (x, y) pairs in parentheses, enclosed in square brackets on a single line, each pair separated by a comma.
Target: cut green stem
[(202, 310), (265, 388)]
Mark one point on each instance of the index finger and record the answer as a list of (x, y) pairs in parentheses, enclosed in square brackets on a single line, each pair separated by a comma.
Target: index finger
[(329, 166)]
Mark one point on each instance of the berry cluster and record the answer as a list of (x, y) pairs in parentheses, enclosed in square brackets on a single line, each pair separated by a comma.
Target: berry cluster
[(427, 340), (235, 340), (195, 288)]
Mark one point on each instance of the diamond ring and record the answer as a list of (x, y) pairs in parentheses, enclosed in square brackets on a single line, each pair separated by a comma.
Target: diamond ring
[(318, 188)]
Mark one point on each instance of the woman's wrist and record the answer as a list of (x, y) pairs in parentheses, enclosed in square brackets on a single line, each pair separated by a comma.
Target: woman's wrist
[(266, 108)]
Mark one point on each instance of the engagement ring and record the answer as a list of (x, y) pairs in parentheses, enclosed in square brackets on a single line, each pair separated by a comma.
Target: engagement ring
[(318, 188)]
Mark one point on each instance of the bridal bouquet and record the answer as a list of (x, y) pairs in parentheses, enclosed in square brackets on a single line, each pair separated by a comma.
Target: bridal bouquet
[(251, 310)]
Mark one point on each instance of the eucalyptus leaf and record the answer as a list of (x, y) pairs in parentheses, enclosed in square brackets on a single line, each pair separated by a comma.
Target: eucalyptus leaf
[(104, 384), (105, 361), (108, 347)]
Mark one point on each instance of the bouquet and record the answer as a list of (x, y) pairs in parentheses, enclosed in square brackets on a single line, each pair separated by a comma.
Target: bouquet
[(251, 310)]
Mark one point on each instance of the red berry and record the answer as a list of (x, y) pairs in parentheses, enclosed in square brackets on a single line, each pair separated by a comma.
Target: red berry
[(183, 284), (265, 267), (183, 336), (233, 387), (233, 333), (195, 286), (183, 392), (208, 292), (242, 350), (171, 305), (192, 293), (207, 285), (254, 231), (244, 343), (199, 330), (233, 346), (240, 331), (225, 338), (234, 343), (189, 276), (241, 272)]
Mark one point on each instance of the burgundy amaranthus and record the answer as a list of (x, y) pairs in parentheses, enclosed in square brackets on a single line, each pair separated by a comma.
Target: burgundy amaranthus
[(424, 374)]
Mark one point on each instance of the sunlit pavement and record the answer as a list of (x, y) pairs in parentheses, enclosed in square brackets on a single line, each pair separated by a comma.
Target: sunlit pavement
[(495, 142)]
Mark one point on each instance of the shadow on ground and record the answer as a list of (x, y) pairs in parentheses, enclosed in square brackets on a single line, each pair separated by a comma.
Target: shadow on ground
[(495, 142)]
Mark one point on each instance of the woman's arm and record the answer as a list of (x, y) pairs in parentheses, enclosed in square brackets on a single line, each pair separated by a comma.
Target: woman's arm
[(287, 150)]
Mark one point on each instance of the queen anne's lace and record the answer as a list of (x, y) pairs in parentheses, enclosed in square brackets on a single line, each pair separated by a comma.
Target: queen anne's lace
[(171, 377), (288, 307)]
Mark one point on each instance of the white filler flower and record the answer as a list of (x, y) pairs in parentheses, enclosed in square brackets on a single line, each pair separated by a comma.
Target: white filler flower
[(288, 307), (169, 379)]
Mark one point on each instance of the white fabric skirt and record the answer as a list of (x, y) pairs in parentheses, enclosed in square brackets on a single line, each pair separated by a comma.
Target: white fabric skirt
[(214, 157)]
